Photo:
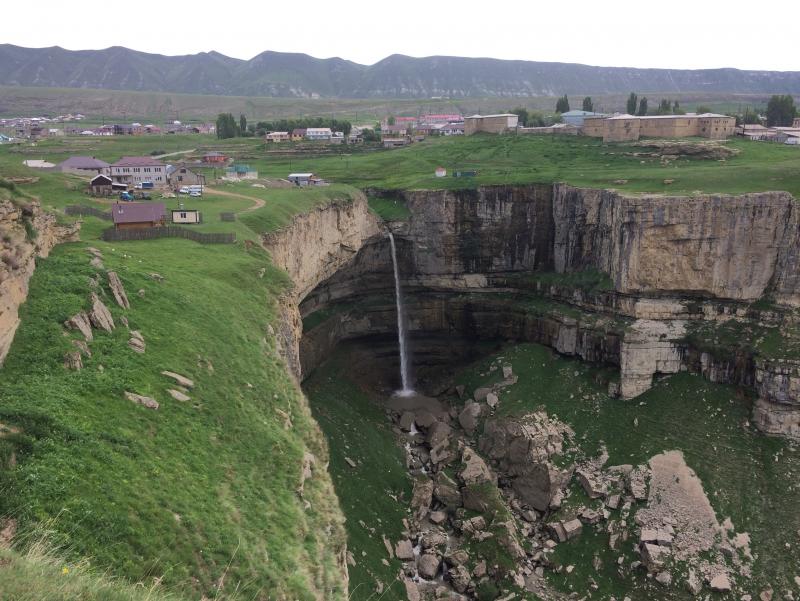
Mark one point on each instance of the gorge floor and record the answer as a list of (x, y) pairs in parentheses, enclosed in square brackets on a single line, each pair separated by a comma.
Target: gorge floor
[(749, 478)]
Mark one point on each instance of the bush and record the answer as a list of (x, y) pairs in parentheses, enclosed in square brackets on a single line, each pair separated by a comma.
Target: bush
[(4, 183), (157, 152)]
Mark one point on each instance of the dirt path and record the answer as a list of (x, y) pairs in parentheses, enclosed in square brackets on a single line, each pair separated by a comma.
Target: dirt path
[(172, 154), (258, 202)]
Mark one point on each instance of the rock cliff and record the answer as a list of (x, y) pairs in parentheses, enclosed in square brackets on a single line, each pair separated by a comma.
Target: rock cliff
[(470, 260), (27, 233)]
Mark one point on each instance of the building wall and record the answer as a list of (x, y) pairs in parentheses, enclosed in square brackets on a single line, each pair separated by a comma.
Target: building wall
[(594, 127), (489, 124), (716, 128), (191, 217), (621, 130), (187, 178), (134, 175)]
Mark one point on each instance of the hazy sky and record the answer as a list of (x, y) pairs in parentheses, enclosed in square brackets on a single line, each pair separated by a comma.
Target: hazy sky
[(633, 33)]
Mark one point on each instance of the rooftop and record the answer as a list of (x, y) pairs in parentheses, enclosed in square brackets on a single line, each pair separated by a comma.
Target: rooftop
[(137, 212), (138, 162), (83, 163)]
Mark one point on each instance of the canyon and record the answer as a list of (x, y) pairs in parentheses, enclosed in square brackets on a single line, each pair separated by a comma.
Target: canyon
[(610, 278)]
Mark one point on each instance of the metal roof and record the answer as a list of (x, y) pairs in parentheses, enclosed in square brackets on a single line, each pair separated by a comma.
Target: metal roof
[(137, 212), (138, 162), (79, 162)]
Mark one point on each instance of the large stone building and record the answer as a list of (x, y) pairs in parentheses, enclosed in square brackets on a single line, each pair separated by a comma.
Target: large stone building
[(625, 128), (135, 170), (491, 124)]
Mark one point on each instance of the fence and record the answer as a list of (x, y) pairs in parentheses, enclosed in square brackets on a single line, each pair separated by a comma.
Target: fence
[(80, 211), (151, 233)]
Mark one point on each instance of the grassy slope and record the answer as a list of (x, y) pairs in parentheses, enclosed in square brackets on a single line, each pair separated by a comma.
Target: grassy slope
[(194, 490), (356, 427), (748, 477)]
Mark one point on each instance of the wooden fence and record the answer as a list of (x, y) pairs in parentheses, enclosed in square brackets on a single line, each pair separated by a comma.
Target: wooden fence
[(151, 233), (80, 211)]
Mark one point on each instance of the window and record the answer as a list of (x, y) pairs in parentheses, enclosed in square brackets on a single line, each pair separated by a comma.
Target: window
[(183, 215)]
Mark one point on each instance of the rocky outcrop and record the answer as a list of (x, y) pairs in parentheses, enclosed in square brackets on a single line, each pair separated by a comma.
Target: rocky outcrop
[(317, 244), (27, 233), (733, 247)]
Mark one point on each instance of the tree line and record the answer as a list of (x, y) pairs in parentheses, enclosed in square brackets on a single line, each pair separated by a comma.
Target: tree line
[(288, 125)]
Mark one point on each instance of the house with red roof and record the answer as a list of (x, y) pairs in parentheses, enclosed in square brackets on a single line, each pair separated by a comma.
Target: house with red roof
[(135, 170), (131, 215)]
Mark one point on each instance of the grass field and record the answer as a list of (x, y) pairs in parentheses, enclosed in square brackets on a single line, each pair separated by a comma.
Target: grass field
[(199, 495)]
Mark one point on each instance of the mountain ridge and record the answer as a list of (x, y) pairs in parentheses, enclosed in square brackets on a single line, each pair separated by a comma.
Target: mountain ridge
[(300, 75)]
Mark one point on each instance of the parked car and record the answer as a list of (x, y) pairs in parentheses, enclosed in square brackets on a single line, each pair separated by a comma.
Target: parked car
[(145, 186), (125, 196), (184, 190), (195, 193)]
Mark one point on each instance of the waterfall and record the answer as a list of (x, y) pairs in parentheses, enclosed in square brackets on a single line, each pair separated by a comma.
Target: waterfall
[(405, 377)]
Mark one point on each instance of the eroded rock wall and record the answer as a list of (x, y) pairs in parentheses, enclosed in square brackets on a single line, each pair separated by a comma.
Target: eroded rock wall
[(26, 232), (730, 247)]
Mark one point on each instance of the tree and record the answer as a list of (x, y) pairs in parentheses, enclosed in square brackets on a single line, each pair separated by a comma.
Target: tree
[(630, 108), (587, 104), (522, 113), (701, 108), (242, 123), (781, 110), (391, 120), (370, 135), (226, 126), (664, 108), (562, 104), (676, 108), (642, 107)]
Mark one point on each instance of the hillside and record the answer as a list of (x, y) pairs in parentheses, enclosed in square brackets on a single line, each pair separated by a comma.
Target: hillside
[(290, 75)]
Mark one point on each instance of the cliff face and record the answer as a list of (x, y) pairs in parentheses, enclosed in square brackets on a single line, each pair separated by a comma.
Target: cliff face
[(720, 246), (312, 248), (318, 243), (671, 261), (25, 234)]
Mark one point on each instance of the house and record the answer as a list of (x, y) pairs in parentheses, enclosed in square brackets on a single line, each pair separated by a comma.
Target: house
[(452, 129), (132, 215), (237, 172), (214, 158), (393, 131), (442, 119), (492, 124), (186, 216), (180, 175), (298, 134), (318, 133), (135, 170), (576, 117), (395, 142), (300, 179), (100, 185), (83, 165), (277, 136)]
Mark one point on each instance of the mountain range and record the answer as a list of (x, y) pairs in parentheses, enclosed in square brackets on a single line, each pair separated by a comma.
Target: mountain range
[(287, 75)]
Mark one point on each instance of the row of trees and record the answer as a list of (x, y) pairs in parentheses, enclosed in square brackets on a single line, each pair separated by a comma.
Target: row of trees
[(781, 110), (227, 127), (263, 127), (562, 104)]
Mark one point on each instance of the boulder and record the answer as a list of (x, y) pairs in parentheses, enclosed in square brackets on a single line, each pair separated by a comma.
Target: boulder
[(404, 550), (80, 321), (136, 341), (182, 380), (178, 395), (591, 487), (460, 389), (424, 418), (118, 290), (100, 316), (446, 492), (468, 418), (96, 262), (460, 578), (720, 583), (572, 528), (433, 539), (492, 400), (412, 591), (693, 583), (146, 401), (473, 525), (475, 470), (458, 557), (406, 422), (508, 371), (428, 566), (438, 517), (557, 531), (537, 485), (422, 497), (82, 347), (653, 556), (73, 360), (475, 499), (637, 482), (664, 578), (479, 571), (439, 433), (480, 393)]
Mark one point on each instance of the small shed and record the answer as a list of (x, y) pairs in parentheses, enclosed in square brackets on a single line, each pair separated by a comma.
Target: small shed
[(186, 216), (300, 179), (100, 185), (132, 215)]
